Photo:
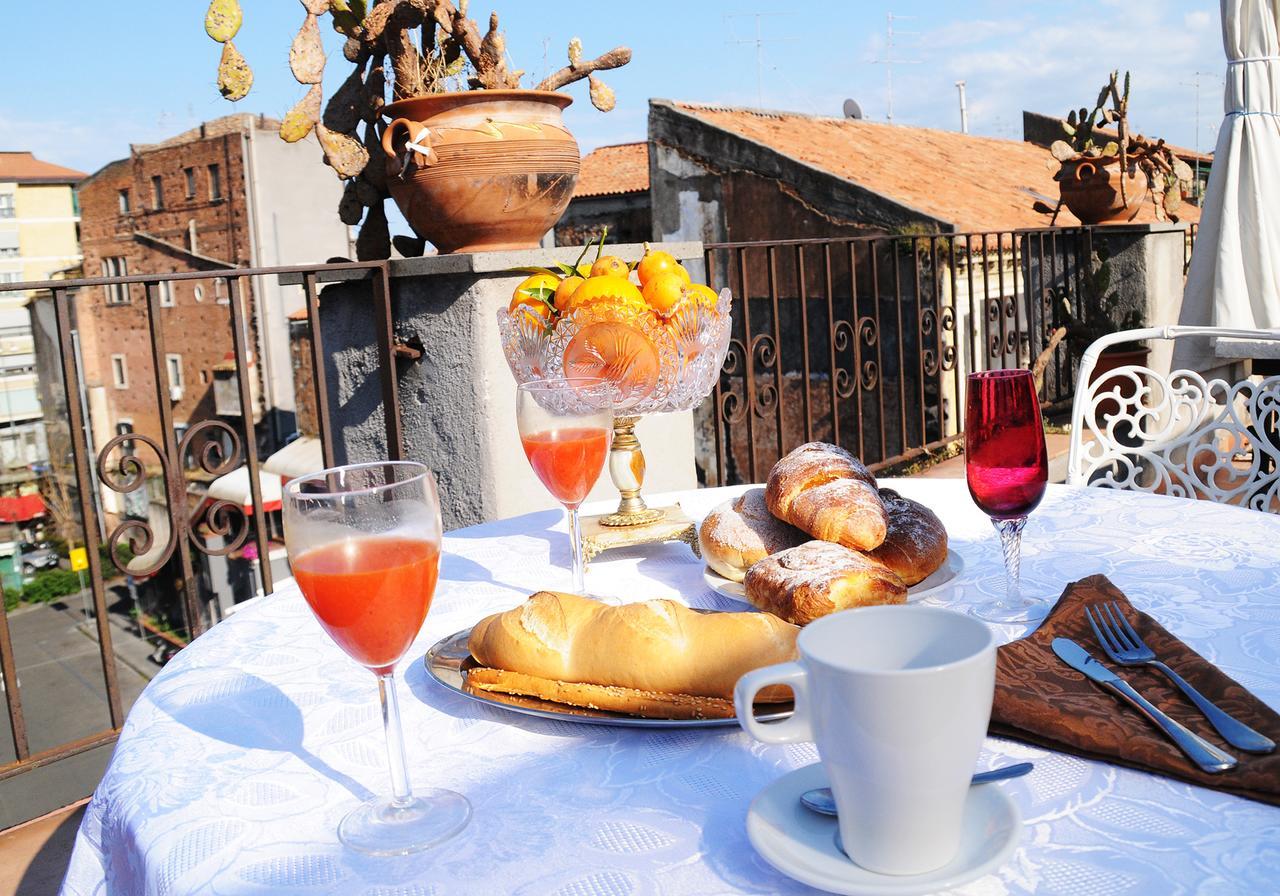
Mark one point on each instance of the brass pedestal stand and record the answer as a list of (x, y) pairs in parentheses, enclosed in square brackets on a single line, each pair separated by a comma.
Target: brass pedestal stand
[(634, 522)]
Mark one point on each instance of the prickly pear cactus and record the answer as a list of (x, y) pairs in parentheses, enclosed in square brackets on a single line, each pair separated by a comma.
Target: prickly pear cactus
[(234, 75), (223, 19), (302, 117), (306, 56), (344, 153)]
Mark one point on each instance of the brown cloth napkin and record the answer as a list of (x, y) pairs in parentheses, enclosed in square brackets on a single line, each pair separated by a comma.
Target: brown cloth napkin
[(1041, 700)]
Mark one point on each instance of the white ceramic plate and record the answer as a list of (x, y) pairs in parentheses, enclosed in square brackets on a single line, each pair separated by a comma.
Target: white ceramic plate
[(941, 577), (802, 844)]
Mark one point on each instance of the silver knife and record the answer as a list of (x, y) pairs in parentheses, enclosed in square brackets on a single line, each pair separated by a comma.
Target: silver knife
[(1200, 751)]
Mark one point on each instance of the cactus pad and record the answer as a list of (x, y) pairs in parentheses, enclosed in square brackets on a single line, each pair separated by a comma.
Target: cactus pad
[(316, 7), (302, 117), (234, 75), (306, 56), (601, 94), (222, 21), (342, 152)]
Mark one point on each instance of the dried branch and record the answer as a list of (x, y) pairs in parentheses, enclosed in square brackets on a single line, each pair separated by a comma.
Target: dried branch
[(615, 58)]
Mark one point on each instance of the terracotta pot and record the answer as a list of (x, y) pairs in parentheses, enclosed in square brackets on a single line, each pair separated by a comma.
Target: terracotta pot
[(1090, 188), (1111, 360), (489, 169)]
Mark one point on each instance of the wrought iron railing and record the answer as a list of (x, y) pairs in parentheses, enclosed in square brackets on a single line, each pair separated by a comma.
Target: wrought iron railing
[(134, 461), (865, 341)]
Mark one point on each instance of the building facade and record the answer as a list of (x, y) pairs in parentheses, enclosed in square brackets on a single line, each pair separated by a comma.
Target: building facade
[(612, 192), (39, 235), (224, 195)]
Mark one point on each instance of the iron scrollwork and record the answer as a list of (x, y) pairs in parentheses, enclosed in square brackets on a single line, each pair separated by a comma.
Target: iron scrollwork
[(765, 353), (128, 474)]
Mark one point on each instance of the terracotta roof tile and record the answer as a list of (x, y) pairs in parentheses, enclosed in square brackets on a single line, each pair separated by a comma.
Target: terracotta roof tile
[(614, 169), (975, 183), (25, 168)]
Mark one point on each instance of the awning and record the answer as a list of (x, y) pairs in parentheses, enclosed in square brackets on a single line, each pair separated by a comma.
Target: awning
[(300, 457), (20, 508), (1234, 278), (234, 487)]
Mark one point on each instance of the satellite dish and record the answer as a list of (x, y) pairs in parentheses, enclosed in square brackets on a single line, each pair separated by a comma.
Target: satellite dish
[(852, 110)]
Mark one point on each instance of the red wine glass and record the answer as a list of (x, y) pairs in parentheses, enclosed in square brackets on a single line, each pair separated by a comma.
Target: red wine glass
[(1007, 467)]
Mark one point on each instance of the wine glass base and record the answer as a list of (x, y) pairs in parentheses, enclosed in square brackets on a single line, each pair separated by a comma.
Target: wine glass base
[(1031, 611), (380, 828)]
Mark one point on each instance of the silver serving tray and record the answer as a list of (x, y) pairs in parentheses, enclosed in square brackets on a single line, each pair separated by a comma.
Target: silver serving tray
[(448, 661)]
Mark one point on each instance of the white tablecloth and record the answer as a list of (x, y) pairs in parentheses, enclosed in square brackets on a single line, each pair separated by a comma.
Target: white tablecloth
[(239, 759)]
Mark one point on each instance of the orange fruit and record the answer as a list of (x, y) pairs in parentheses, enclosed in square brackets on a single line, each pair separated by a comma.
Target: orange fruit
[(566, 289), (656, 262), (665, 291), (615, 352), (608, 288), (528, 286), (610, 265), (704, 295)]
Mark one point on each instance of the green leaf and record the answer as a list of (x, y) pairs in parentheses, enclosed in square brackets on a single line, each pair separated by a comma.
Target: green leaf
[(532, 270), (542, 293), (566, 269)]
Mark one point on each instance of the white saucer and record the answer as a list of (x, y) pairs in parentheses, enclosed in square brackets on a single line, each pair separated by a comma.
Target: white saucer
[(941, 577), (801, 844)]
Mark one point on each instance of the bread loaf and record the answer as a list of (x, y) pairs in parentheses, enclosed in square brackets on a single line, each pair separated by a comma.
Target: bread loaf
[(828, 493), (819, 577), (741, 532), (647, 704), (658, 645), (916, 542)]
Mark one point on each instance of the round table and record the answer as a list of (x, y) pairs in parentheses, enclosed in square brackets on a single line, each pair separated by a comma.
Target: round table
[(239, 759)]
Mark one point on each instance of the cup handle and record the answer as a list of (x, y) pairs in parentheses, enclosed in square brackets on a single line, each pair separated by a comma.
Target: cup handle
[(796, 729)]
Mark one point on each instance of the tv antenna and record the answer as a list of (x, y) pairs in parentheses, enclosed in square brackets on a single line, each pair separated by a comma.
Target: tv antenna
[(889, 61), (1195, 83), (759, 40)]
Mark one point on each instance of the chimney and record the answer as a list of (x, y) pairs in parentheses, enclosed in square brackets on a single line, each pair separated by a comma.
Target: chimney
[(964, 109)]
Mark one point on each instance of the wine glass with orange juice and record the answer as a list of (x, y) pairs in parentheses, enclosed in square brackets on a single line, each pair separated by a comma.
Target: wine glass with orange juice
[(565, 426), (364, 545)]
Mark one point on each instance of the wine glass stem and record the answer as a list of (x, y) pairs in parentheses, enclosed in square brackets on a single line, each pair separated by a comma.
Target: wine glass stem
[(575, 542), (400, 794), (1011, 541)]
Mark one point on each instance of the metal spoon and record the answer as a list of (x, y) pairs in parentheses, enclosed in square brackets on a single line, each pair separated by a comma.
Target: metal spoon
[(820, 799)]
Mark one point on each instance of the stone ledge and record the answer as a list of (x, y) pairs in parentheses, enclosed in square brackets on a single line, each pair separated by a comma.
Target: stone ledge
[(496, 262)]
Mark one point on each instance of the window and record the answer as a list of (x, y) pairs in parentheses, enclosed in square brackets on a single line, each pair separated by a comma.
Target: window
[(157, 193), (10, 276), (120, 372), (191, 182), (165, 290), (215, 182), (8, 251), (117, 293), (198, 292), (174, 364), (7, 209), (124, 202), (123, 428)]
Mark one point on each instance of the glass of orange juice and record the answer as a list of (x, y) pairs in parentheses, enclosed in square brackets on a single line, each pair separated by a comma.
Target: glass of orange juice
[(364, 545), (565, 427)]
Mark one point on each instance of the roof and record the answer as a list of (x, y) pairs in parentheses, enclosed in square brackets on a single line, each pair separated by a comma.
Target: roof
[(25, 168), (611, 170), (300, 314), (972, 183), (235, 123)]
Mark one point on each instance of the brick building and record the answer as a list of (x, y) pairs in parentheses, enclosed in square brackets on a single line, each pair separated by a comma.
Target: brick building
[(226, 194)]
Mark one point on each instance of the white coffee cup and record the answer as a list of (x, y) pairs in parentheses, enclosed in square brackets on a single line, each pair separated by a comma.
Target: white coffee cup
[(897, 699)]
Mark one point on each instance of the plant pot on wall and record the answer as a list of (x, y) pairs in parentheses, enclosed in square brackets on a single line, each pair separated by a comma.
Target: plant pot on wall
[(481, 170), (1090, 188)]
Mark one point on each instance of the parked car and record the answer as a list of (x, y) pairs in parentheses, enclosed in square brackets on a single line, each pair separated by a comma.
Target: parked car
[(36, 557)]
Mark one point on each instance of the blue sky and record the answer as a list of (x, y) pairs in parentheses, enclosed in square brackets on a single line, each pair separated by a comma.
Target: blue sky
[(148, 70)]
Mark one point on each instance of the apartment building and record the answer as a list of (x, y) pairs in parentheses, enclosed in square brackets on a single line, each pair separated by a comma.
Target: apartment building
[(39, 234)]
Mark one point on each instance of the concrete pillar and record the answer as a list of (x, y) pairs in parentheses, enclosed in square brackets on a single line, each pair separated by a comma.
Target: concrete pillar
[(458, 401)]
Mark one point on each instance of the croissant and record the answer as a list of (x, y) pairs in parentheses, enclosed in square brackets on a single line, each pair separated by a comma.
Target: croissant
[(827, 492)]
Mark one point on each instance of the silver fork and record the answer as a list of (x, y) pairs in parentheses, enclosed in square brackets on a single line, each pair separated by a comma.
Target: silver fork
[(1127, 648)]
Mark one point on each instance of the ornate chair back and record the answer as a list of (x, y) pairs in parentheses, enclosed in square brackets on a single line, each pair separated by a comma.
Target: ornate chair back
[(1180, 434)]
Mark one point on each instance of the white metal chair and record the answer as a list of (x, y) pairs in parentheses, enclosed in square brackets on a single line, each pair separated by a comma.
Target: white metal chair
[(1180, 434)]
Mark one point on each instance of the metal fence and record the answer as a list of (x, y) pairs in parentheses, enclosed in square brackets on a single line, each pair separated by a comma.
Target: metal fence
[(169, 460), (865, 341)]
